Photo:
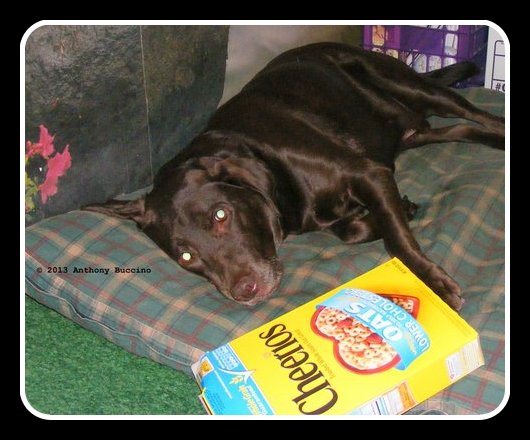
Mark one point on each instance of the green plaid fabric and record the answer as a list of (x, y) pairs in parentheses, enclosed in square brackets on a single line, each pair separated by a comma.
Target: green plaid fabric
[(172, 316)]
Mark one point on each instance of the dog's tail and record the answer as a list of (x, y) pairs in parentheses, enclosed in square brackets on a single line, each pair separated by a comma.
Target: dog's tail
[(447, 76)]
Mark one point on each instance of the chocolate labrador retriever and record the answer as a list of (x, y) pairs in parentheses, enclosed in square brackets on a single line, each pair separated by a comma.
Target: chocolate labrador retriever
[(309, 144)]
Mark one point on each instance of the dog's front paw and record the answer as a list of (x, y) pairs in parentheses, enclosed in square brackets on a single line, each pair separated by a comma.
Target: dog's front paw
[(443, 285)]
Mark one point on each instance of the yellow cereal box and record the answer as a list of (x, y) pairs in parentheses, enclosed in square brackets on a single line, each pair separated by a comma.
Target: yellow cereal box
[(377, 345)]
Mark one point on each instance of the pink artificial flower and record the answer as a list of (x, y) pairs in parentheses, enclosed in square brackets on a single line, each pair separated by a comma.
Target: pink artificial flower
[(44, 147), (57, 166)]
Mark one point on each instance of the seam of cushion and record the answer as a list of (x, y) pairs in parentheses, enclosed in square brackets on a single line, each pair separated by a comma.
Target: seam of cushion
[(54, 292)]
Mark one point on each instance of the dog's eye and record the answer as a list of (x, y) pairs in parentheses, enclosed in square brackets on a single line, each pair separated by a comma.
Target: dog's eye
[(220, 215), (185, 257)]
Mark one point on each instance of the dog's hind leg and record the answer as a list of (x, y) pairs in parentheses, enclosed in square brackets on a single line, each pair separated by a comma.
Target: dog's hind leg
[(458, 132), (404, 90), (424, 95), (437, 100), (430, 100)]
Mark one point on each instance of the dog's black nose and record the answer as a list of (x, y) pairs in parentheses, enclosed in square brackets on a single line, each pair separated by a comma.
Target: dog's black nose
[(245, 289)]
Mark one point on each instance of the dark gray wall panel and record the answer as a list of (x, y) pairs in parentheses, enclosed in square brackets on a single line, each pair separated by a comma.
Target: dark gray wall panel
[(125, 98)]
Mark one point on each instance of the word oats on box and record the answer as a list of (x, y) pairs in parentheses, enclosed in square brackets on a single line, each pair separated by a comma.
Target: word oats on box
[(377, 345)]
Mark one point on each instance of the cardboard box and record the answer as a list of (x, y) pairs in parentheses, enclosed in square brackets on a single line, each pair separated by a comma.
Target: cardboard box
[(348, 351)]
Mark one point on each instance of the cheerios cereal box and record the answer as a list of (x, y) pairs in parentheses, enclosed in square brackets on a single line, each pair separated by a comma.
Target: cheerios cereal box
[(377, 345)]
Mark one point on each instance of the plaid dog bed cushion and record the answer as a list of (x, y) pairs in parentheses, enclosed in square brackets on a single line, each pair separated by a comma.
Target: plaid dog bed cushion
[(105, 275)]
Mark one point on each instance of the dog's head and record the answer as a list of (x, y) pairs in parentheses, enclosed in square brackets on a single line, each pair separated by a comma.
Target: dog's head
[(215, 216)]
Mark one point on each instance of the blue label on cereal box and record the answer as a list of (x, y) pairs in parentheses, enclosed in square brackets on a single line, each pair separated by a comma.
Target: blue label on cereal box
[(393, 324), (229, 387)]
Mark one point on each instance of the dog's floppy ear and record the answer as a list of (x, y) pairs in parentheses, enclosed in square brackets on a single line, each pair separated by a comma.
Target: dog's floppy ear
[(127, 209), (246, 172)]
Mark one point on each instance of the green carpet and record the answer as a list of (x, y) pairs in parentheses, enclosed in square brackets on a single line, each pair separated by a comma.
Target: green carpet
[(70, 370)]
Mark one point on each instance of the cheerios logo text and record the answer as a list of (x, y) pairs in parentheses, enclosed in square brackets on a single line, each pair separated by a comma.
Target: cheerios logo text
[(315, 393)]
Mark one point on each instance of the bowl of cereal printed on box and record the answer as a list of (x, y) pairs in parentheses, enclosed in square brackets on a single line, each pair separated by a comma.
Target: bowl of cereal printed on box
[(356, 346)]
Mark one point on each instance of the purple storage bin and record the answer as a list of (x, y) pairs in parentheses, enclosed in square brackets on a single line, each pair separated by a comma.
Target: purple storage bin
[(426, 48)]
